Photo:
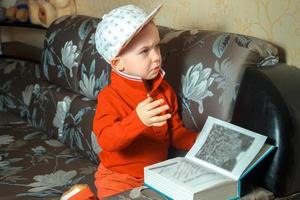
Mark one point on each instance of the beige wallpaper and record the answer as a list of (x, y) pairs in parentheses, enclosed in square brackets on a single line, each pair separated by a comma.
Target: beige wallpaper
[(277, 21)]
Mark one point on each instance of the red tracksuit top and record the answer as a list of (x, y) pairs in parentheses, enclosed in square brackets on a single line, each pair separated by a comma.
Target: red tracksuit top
[(127, 144)]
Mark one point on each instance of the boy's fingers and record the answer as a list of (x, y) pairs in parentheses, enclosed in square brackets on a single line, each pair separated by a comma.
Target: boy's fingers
[(146, 101), (159, 124), (154, 104), (159, 119), (158, 110)]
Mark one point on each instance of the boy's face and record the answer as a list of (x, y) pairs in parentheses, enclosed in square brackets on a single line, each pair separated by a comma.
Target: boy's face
[(141, 57)]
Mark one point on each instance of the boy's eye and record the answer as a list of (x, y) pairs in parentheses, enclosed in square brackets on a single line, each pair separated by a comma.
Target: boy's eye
[(144, 51)]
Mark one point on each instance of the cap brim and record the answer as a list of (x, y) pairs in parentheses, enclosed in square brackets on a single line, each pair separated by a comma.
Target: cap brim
[(138, 29)]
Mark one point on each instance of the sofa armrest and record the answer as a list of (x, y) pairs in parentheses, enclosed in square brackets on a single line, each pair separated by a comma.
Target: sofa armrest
[(268, 103), (19, 50)]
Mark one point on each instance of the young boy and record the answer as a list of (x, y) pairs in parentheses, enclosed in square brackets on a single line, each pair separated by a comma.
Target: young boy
[(136, 119)]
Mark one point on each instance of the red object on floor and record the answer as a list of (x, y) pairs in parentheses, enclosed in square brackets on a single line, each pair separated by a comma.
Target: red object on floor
[(84, 194)]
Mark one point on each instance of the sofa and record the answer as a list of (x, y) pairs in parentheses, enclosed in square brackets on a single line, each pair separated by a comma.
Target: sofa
[(46, 108)]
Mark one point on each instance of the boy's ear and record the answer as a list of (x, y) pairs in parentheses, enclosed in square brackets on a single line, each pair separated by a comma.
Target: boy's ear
[(116, 63)]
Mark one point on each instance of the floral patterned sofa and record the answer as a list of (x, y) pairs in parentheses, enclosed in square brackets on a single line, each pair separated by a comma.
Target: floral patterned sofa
[(47, 143)]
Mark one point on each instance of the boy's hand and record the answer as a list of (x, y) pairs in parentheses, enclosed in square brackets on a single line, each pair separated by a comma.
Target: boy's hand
[(149, 110)]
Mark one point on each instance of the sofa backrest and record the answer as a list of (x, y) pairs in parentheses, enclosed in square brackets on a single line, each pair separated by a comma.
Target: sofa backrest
[(204, 67), (75, 73), (70, 58)]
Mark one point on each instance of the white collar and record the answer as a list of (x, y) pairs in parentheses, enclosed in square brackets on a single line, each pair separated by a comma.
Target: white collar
[(135, 78)]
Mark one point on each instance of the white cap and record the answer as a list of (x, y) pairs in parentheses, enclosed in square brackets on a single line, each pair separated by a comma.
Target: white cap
[(118, 27)]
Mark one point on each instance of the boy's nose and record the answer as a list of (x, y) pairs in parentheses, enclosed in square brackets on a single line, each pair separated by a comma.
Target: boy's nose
[(156, 55)]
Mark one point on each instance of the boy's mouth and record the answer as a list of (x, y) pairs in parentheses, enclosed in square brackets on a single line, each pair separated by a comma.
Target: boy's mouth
[(156, 68)]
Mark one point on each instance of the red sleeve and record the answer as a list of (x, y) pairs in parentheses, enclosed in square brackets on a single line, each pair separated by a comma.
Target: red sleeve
[(181, 137), (114, 133)]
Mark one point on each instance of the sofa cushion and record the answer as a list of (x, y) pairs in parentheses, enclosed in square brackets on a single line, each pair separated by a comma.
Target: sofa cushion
[(78, 128), (205, 69), (94, 73), (9, 117), (70, 58), (34, 165), (63, 50), (66, 116), (17, 78)]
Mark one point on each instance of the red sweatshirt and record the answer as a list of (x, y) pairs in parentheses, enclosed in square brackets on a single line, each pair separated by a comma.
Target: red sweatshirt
[(127, 144)]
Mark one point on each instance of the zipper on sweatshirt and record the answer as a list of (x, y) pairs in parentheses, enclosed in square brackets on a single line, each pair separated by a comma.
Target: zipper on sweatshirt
[(148, 87)]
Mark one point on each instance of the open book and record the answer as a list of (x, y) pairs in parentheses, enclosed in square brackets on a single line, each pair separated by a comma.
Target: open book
[(212, 169)]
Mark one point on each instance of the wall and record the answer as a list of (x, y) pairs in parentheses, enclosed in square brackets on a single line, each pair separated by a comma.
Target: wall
[(277, 21)]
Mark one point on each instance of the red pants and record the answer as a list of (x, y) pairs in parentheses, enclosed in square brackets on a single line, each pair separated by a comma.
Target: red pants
[(109, 183)]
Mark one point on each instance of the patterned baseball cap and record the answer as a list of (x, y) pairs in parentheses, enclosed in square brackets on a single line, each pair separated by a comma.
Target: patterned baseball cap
[(118, 27)]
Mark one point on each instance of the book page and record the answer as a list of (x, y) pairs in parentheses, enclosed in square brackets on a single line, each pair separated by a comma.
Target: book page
[(189, 174), (225, 147)]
